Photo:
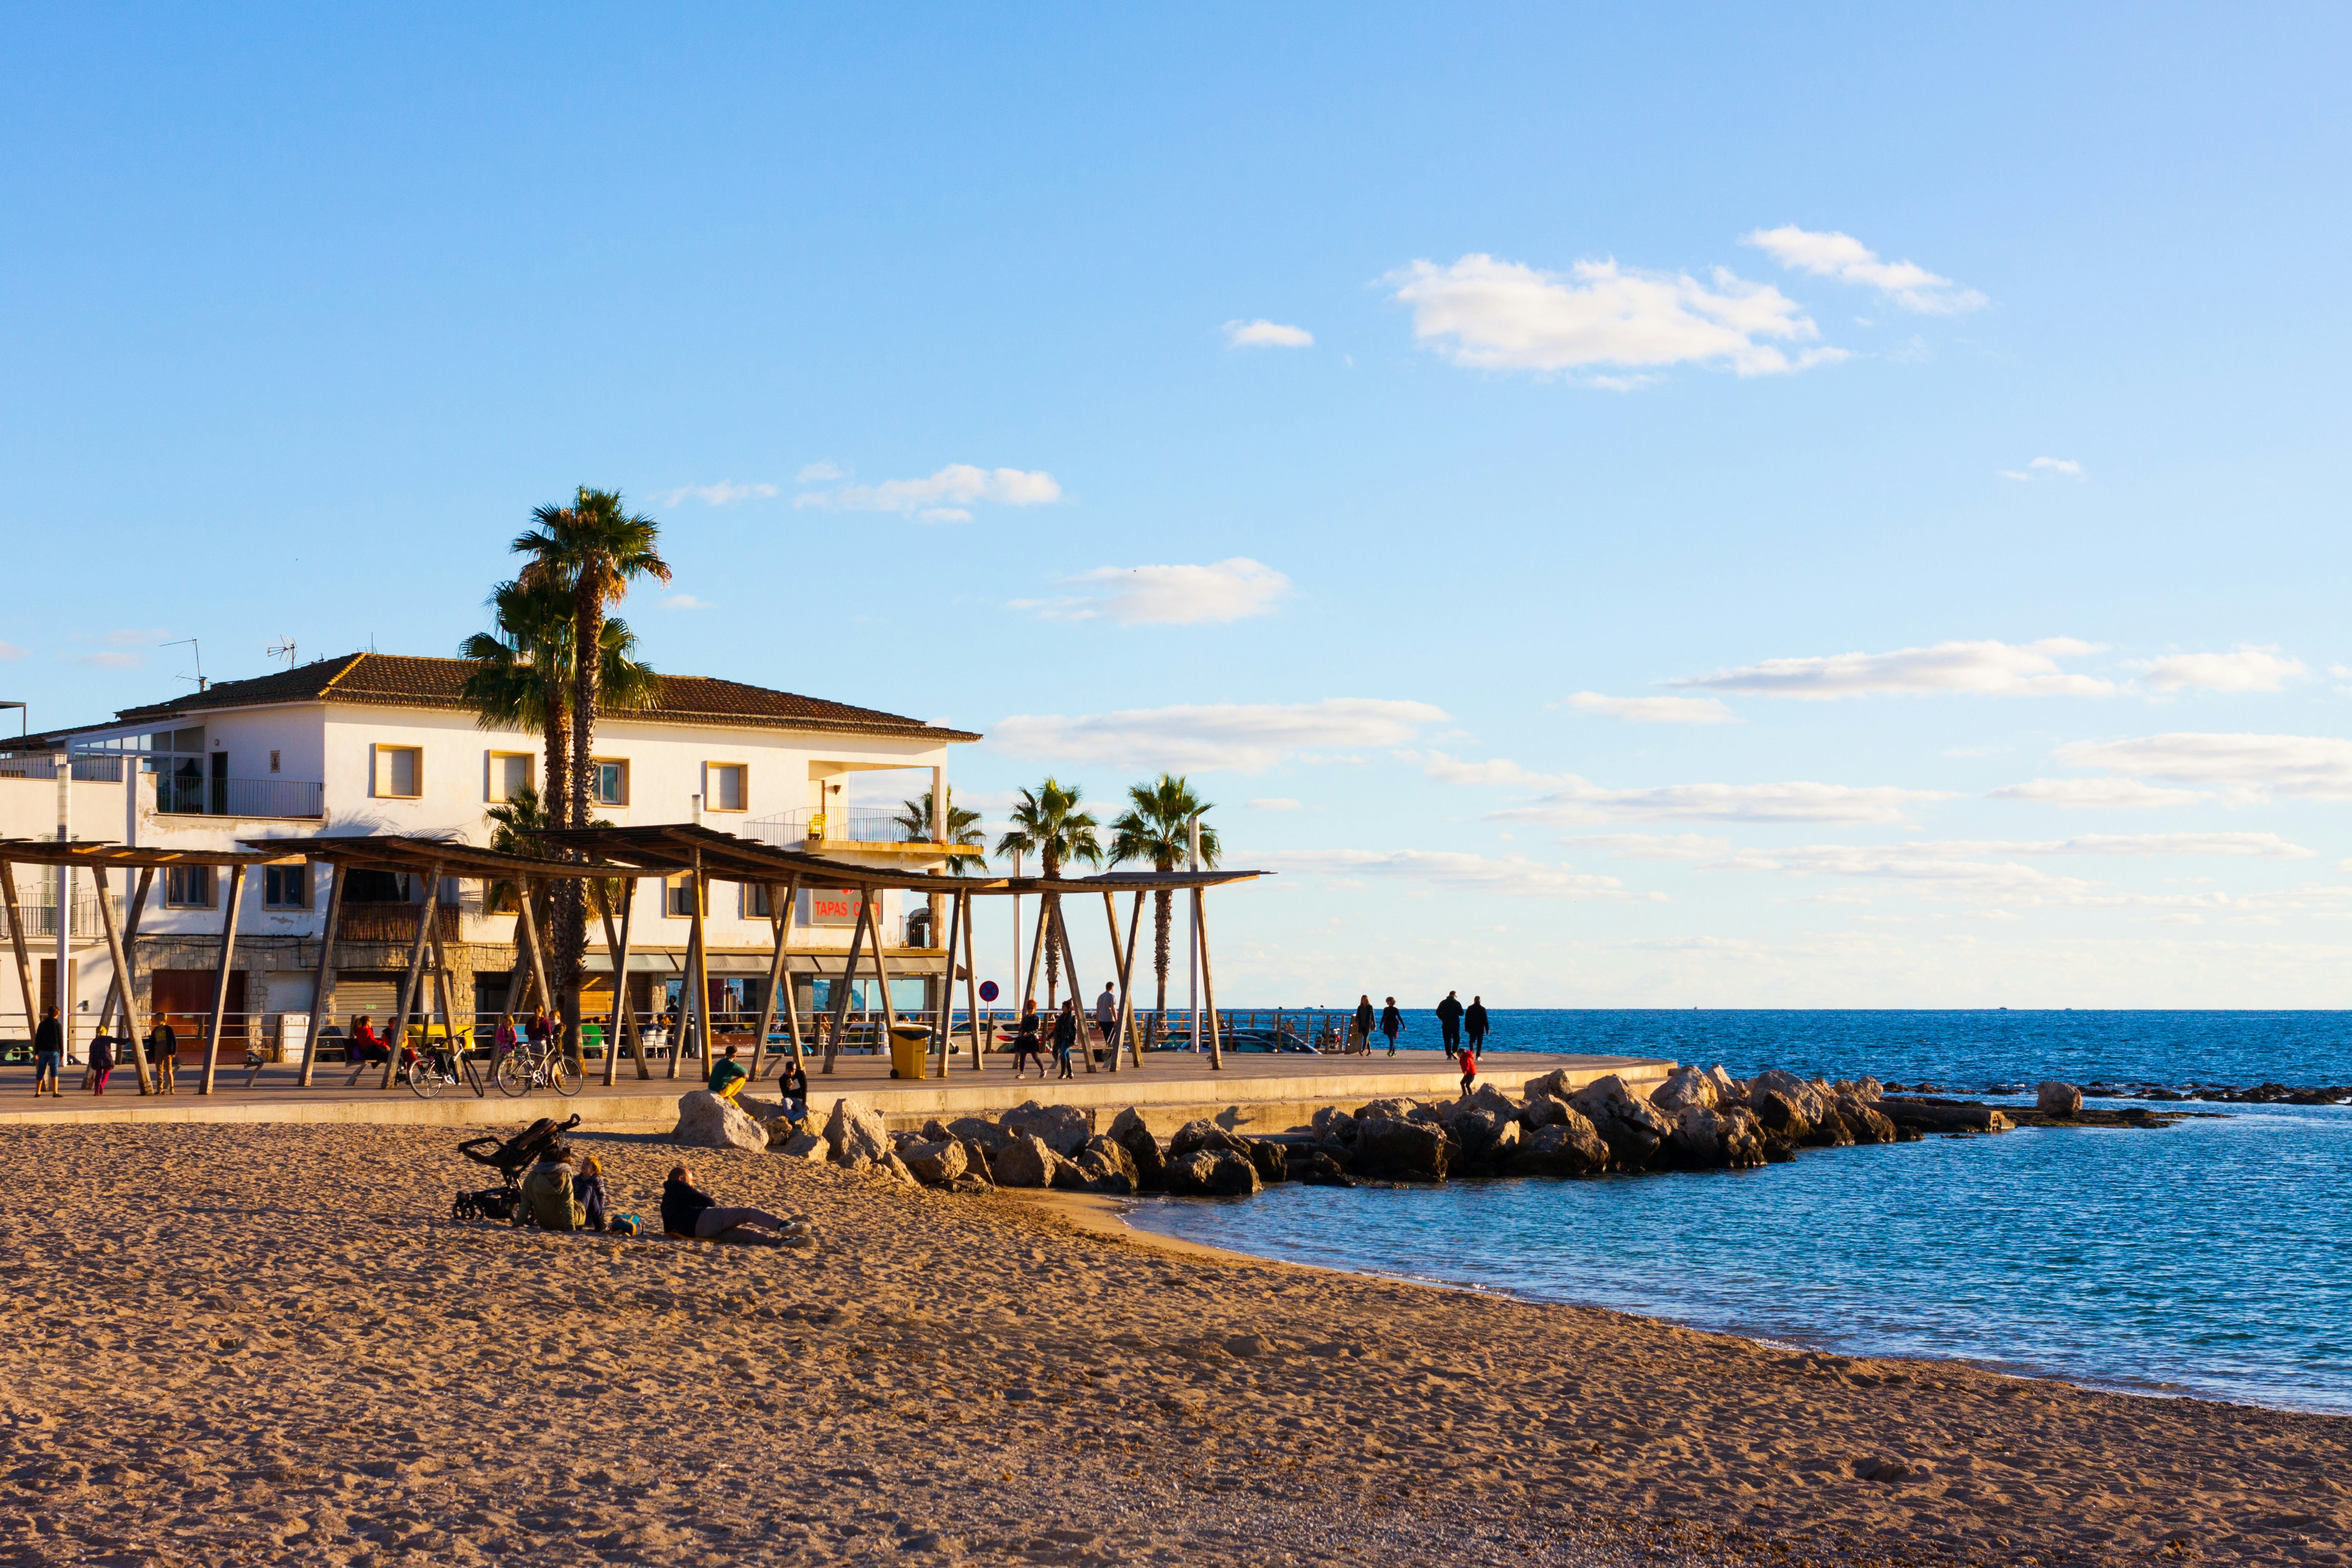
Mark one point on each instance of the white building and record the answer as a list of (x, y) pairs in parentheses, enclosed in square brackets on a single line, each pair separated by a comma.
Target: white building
[(380, 743)]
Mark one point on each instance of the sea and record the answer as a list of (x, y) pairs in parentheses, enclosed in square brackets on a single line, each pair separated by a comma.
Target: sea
[(2211, 1258)]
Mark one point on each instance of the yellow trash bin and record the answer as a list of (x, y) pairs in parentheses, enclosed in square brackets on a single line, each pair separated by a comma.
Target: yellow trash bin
[(910, 1050)]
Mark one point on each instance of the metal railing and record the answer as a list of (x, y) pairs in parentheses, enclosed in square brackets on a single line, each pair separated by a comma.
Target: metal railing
[(842, 825), (88, 770), (40, 915), (181, 794)]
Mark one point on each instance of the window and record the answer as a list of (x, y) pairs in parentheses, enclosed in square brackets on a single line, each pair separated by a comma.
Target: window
[(510, 774), (286, 886), (612, 781), (273, 762), (188, 886), (677, 897), (724, 786), (400, 772), (756, 904)]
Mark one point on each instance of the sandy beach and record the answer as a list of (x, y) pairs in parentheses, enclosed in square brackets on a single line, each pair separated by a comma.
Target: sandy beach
[(271, 1345)]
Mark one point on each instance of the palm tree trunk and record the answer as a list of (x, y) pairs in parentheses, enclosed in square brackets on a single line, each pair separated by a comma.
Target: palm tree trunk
[(555, 785), (1163, 911), (571, 904)]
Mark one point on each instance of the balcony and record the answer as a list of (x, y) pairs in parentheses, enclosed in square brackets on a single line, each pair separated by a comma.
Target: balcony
[(185, 795), (850, 825)]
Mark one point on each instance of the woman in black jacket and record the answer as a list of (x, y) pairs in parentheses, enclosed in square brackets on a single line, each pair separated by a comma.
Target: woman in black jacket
[(1066, 1034)]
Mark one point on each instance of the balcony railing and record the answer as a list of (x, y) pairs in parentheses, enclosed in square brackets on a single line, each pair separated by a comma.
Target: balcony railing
[(87, 769), (842, 825), (184, 794), (39, 910)]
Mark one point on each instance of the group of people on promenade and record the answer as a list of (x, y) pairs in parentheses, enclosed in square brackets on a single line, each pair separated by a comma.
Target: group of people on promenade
[(161, 1047), (1452, 1020)]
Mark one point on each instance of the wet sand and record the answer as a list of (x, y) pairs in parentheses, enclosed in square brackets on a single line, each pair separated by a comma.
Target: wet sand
[(271, 1345)]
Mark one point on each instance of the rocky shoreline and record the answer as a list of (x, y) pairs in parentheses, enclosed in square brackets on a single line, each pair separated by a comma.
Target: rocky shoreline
[(1695, 1120)]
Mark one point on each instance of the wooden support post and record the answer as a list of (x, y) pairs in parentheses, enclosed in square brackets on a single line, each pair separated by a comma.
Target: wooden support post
[(617, 1028), (1126, 952), (1208, 985), (881, 970), (1036, 955), (970, 975), (441, 989), (425, 910), (115, 951), (946, 983), (848, 977), (791, 992), (780, 923), (527, 923), (129, 933), (24, 959), (220, 980), (697, 962), (322, 990), (1078, 991)]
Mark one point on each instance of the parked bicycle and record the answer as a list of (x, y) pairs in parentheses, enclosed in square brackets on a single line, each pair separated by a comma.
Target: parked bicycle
[(541, 1066), (442, 1064)]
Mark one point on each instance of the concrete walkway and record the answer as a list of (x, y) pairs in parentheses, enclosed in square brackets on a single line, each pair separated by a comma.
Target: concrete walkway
[(1262, 1091)]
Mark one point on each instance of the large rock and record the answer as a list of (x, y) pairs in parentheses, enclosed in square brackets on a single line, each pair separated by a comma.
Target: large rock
[(1026, 1161), (1400, 1149), (1270, 1160), (706, 1121), (1333, 1125), (807, 1146), (1064, 1128), (992, 1139), (1925, 1114), (1318, 1167), (1486, 1096), (1697, 1142), (1864, 1121), (2054, 1098), (1195, 1136), (1803, 1095), (1485, 1136), (1554, 1083), (1743, 1137), (1213, 1174), (1780, 1113), (1727, 1087), (1541, 1110), (1868, 1088), (1634, 1130), (1569, 1147), (1686, 1086), (1397, 1110), (858, 1135), (937, 1163), (1127, 1129), (1107, 1166)]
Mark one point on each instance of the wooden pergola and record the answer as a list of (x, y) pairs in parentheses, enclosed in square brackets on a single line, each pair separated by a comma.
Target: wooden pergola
[(98, 856), (707, 854)]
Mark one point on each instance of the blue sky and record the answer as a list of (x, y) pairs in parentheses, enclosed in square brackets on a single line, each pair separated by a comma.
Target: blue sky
[(1594, 356)]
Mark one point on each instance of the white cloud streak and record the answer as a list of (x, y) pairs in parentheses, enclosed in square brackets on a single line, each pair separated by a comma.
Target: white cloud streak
[(726, 492), (685, 602), (9, 652), (1272, 802), (1244, 738), (2096, 795), (946, 495), (2244, 668), (1264, 334), (1652, 709), (1493, 770), (1229, 590), (1982, 668), (1500, 315), (1510, 876), (820, 472), (1649, 846), (1578, 801), (2249, 767), (2046, 468), (1830, 254)]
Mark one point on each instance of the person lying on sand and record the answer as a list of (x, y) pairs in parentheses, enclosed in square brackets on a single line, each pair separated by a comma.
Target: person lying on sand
[(691, 1213)]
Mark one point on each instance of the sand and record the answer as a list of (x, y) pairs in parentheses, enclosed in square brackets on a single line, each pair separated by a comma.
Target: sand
[(270, 1344)]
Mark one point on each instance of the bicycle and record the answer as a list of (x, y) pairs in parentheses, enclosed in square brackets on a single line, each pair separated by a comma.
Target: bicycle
[(442, 1064), (540, 1066)]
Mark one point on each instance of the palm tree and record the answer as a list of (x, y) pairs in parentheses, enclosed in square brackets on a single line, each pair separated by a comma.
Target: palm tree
[(914, 820), (1048, 823), (1157, 826)]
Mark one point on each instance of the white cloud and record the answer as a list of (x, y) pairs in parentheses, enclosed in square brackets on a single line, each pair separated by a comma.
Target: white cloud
[(1654, 710), (2107, 795), (1985, 668), (820, 472), (1500, 315), (9, 652), (1247, 738), (2317, 767), (1229, 590), (685, 602), (117, 660), (726, 492), (1264, 334), (2046, 468), (139, 636), (945, 496), (1901, 863), (1847, 259), (2261, 846), (1651, 846), (1513, 875), (1453, 770), (2244, 668), (1578, 801), (1273, 803)]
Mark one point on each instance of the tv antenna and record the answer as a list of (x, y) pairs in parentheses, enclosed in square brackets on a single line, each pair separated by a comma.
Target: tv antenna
[(282, 648), (199, 676)]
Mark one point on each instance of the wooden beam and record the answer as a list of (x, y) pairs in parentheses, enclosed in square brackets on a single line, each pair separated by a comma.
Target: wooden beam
[(791, 992), (1078, 991), (322, 990), (425, 914), (220, 980), (697, 890), (122, 980), (1208, 985), (971, 975), (881, 970), (780, 917), (618, 946), (848, 978), (441, 989), (17, 942), (1125, 952), (130, 939), (527, 923), (1036, 954), (947, 982)]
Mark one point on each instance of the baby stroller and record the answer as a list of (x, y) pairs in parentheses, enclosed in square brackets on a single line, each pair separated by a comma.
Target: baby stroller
[(510, 1157)]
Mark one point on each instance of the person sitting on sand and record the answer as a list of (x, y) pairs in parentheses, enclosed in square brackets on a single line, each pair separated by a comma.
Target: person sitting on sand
[(547, 1192), (793, 1087), (367, 1046), (727, 1078), (588, 1187), (691, 1213)]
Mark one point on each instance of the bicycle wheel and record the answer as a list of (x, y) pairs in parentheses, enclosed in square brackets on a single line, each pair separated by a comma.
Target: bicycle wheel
[(422, 1078), (474, 1078), (514, 1074), (565, 1074)]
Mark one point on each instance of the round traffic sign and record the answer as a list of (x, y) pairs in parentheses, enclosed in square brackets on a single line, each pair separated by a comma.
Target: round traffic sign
[(988, 991)]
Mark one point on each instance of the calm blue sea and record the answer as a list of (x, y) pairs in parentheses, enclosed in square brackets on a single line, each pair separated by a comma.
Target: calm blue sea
[(2211, 1258)]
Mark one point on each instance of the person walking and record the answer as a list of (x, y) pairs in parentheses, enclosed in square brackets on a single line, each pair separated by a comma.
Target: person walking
[(1107, 1012), (1473, 1023), (1449, 1018), (1392, 1023), (1024, 1040), (164, 1056), (102, 1061), (49, 1051), (1360, 1038), (1469, 1069), (1066, 1035)]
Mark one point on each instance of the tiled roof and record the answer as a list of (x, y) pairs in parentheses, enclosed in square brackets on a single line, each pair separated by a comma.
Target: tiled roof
[(401, 680)]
